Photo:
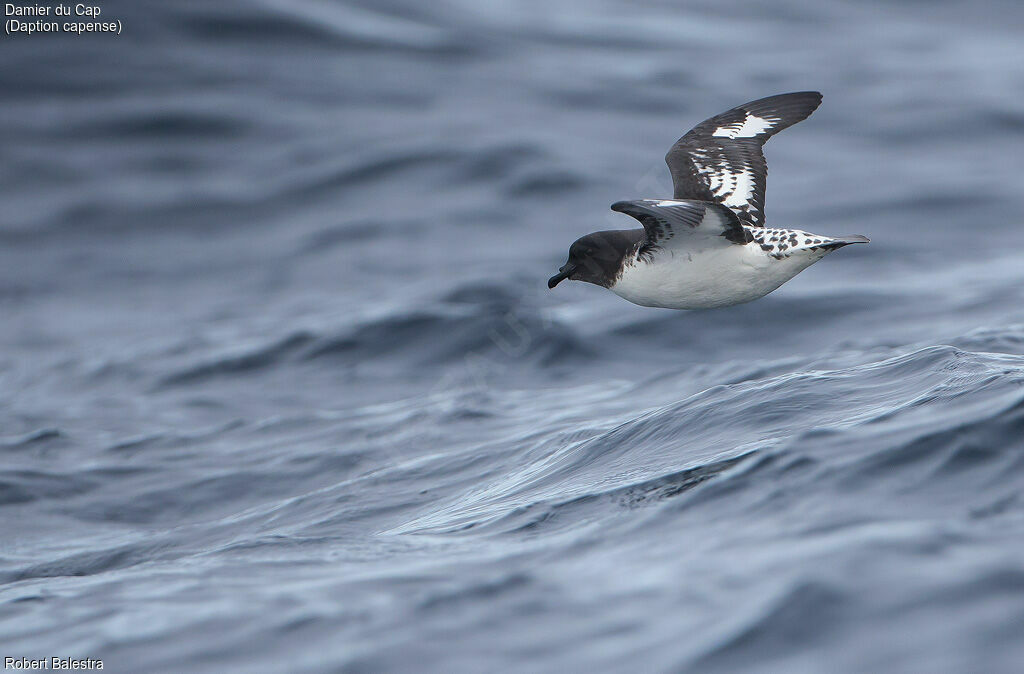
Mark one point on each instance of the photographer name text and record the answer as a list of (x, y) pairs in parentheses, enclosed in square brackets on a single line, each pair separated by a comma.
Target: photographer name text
[(54, 663)]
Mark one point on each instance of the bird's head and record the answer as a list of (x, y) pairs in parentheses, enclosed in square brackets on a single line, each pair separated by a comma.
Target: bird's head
[(597, 258)]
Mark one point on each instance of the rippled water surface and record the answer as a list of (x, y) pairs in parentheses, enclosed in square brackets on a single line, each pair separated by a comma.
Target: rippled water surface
[(282, 387)]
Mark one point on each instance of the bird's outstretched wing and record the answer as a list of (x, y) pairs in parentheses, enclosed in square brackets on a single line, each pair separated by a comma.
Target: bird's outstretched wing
[(720, 159), (675, 224)]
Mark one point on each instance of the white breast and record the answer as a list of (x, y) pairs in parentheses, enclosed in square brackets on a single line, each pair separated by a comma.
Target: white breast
[(716, 276)]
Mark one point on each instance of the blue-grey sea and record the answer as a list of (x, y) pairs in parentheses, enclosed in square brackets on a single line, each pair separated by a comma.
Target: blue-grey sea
[(282, 388)]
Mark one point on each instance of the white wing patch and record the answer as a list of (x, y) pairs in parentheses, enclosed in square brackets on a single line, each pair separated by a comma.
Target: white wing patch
[(741, 194), (733, 188), (731, 185), (752, 126)]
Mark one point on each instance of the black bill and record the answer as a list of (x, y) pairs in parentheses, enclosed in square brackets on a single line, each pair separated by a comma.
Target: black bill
[(562, 274)]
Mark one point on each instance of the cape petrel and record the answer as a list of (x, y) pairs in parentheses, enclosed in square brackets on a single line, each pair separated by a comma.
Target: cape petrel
[(707, 246)]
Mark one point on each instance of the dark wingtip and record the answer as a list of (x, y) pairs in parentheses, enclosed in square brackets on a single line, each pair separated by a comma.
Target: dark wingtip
[(621, 206), (816, 96), (803, 94), (791, 108)]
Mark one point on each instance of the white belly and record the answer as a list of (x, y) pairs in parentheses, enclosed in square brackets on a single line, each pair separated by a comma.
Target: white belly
[(714, 277)]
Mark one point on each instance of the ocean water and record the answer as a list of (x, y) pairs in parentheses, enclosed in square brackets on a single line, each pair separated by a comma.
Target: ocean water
[(282, 388)]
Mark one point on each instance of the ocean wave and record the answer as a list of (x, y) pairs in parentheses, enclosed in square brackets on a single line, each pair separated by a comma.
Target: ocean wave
[(801, 415), (469, 324), (341, 26)]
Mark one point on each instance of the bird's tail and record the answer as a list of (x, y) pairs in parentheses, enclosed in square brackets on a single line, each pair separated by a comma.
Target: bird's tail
[(840, 241)]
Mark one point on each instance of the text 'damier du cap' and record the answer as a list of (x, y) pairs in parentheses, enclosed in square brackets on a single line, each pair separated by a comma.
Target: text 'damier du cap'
[(77, 19)]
